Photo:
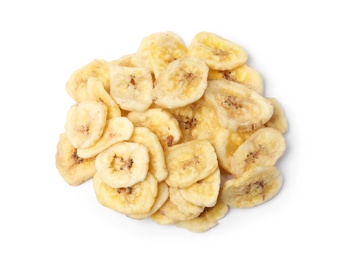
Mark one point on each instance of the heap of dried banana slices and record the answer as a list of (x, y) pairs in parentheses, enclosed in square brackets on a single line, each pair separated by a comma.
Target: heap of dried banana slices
[(174, 133)]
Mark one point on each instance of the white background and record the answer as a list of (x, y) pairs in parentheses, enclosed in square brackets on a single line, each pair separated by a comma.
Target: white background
[(309, 53)]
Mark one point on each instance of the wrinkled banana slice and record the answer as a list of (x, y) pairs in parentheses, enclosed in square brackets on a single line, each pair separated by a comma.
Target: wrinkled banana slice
[(117, 129), (238, 108), (160, 122), (171, 211), (218, 53), (190, 162), (262, 148), (157, 166), (278, 120), (208, 219), (137, 199), (123, 164), (244, 74), (77, 84), (162, 196), (183, 205), (256, 186), (85, 123), (181, 83), (72, 168), (204, 192), (131, 87)]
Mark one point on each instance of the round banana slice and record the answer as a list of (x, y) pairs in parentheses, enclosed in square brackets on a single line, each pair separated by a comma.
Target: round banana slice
[(256, 186), (262, 148), (181, 83), (123, 164), (278, 120), (85, 123), (171, 211), (77, 84), (157, 166), (206, 220), (117, 129), (137, 199), (218, 53), (238, 108), (160, 122), (72, 168), (204, 192), (162, 196), (161, 219), (183, 205), (190, 162), (131, 88)]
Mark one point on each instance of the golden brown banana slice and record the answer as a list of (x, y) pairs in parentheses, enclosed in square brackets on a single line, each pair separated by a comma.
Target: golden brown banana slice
[(160, 122), (117, 129), (190, 162), (207, 219), (72, 168), (123, 164), (85, 123), (256, 186), (217, 52), (157, 166), (262, 148), (77, 83), (278, 120), (204, 192), (131, 87), (137, 199), (181, 83), (183, 205), (238, 108), (171, 211)]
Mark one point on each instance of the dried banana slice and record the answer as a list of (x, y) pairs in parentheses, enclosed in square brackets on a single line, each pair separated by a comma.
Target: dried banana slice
[(72, 168), (262, 148), (190, 162), (244, 75), (207, 219), (117, 129), (77, 84), (123, 164), (157, 166), (238, 108), (131, 88), (126, 60), (204, 192), (218, 53), (137, 199), (171, 211), (160, 122), (161, 219), (278, 120), (183, 205), (256, 186), (181, 83), (85, 123)]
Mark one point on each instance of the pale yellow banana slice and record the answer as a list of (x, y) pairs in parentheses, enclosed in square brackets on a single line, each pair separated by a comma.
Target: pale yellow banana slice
[(131, 88), (123, 164), (126, 60), (162, 196), (157, 166), (161, 219), (97, 92), (262, 148), (72, 168), (181, 83), (256, 186), (117, 129), (185, 117), (190, 162), (206, 220), (238, 108), (171, 211), (85, 123), (244, 74), (137, 199), (77, 84), (278, 120), (160, 122), (183, 205), (204, 192), (218, 53)]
